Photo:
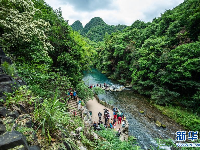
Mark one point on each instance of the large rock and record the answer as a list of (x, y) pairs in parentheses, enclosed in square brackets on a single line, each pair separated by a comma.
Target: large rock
[(3, 111), (35, 148), (5, 78), (94, 135), (78, 130), (2, 129), (13, 114), (12, 139), (7, 59), (6, 87)]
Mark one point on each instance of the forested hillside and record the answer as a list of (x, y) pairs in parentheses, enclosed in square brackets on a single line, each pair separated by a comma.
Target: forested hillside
[(49, 57), (160, 59), (36, 34), (96, 29), (77, 26)]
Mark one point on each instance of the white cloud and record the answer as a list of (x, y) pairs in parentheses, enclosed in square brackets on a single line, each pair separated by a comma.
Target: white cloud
[(118, 12)]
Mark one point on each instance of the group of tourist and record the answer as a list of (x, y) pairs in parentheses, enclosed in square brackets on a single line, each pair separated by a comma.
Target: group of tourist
[(71, 94), (118, 115), (110, 122), (98, 85)]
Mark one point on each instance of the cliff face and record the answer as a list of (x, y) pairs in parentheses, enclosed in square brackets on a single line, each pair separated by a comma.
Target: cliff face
[(6, 81), (16, 116), (17, 125)]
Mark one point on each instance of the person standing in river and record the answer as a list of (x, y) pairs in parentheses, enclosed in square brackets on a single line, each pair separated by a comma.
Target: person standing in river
[(104, 84)]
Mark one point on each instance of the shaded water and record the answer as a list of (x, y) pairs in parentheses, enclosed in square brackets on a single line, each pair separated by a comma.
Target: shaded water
[(142, 126)]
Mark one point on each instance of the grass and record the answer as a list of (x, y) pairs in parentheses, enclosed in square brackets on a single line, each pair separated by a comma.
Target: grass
[(188, 119)]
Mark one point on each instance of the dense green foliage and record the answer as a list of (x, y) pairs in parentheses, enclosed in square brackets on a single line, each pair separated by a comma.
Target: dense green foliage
[(35, 33), (96, 29), (113, 142), (187, 119), (50, 57), (161, 58)]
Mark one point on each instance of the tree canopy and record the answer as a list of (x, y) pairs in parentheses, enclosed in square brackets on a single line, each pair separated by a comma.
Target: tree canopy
[(160, 58)]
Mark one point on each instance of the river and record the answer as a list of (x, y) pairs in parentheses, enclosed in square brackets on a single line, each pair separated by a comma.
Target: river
[(141, 125)]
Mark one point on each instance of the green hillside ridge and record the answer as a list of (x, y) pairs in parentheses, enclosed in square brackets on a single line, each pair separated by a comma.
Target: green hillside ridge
[(96, 21), (77, 26), (96, 29)]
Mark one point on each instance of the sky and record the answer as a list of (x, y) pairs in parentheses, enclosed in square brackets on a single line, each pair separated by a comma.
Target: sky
[(113, 12)]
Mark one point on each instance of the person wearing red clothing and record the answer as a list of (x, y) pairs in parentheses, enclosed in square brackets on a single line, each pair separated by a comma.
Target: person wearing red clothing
[(119, 119), (115, 116)]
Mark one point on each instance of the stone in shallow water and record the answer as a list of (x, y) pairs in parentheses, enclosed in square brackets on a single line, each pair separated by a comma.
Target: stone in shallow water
[(141, 111), (158, 123), (163, 125)]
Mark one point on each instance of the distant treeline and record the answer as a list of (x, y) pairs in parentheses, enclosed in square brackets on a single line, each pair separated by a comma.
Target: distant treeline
[(96, 29)]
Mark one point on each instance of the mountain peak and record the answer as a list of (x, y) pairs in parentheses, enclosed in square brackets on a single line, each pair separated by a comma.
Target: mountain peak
[(77, 26), (96, 21)]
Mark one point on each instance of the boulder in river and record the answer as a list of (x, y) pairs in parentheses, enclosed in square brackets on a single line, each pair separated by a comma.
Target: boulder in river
[(141, 111), (158, 123), (163, 125)]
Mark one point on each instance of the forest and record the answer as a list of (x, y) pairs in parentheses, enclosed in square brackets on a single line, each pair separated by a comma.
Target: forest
[(159, 59), (50, 58)]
